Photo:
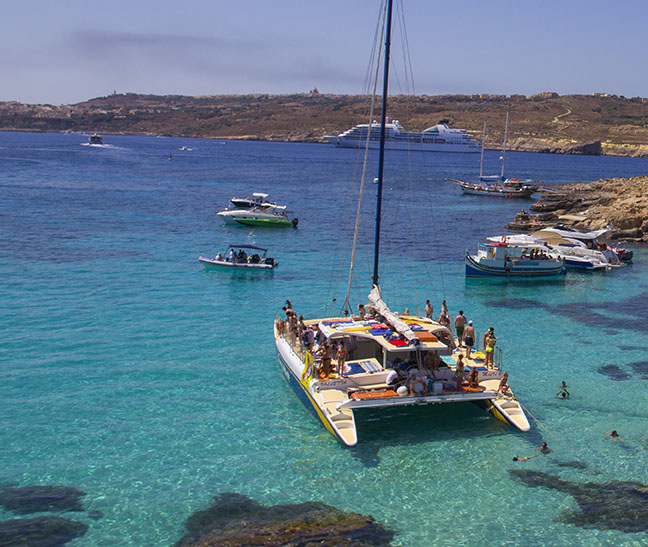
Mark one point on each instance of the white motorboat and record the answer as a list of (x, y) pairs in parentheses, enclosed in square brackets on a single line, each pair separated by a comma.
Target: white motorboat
[(438, 138), (573, 252), (393, 360), (261, 215), (237, 258), (257, 199)]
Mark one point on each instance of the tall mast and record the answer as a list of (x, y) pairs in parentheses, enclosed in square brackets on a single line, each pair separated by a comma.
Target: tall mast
[(503, 158), (381, 156), (481, 161)]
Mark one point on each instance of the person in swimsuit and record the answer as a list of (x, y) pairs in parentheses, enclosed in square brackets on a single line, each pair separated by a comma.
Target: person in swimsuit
[(325, 355), (341, 358), (469, 338), (459, 374), (473, 380), (563, 393), (429, 310), (614, 435), (516, 458), (544, 449), (489, 346), (503, 385), (460, 325)]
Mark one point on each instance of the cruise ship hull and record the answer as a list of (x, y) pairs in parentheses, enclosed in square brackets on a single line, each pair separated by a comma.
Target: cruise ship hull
[(404, 145)]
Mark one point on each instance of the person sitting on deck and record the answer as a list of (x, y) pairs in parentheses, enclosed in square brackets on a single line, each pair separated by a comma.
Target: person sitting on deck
[(503, 385), (361, 313), (219, 257), (473, 379)]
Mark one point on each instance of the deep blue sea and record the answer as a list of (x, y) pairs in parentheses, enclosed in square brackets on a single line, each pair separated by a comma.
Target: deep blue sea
[(129, 371)]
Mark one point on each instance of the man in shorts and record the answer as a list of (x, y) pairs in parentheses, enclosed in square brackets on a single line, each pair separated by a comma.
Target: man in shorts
[(460, 323)]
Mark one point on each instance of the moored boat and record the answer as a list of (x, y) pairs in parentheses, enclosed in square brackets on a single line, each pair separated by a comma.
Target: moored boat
[(257, 199), (237, 258), (263, 216), (385, 359), (438, 138), (504, 260), (509, 188)]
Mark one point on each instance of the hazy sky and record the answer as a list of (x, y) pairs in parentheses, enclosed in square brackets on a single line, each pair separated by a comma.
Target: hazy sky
[(66, 51)]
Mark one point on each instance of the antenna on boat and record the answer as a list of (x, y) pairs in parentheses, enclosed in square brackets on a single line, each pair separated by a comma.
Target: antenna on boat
[(381, 156), (503, 158), (481, 161)]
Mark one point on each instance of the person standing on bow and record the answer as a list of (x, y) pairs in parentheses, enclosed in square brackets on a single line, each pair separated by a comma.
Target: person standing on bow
[(469, 338)]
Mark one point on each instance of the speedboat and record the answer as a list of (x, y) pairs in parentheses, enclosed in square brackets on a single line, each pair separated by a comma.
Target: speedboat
[(438, 138), (271, 216), (590, 239), (95, 139), (236, 257), (574, 253), (256, 199), (501, 259), (389, 360)]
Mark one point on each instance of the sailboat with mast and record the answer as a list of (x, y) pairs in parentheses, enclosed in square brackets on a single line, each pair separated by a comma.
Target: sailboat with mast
[(497, 185), (387, 359)]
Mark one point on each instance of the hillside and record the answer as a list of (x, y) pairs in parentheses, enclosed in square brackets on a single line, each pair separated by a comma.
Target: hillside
[(577, 124)]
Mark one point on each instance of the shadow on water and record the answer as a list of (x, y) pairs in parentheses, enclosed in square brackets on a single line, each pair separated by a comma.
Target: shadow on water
[(426, 423)]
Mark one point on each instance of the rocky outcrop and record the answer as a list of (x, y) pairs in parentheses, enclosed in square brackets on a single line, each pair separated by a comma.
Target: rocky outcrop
[(618, 204), (235, 519)]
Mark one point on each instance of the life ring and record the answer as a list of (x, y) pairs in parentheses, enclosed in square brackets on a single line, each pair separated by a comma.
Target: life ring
[(420, 381)]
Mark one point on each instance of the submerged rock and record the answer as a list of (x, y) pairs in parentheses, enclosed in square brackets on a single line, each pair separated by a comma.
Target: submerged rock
[(574, 464), (640, 367), (36, 499), (613, 505), (40, 531), (235, 519), (614, 372)]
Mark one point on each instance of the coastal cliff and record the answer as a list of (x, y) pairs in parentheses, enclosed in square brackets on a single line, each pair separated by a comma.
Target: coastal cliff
[(620, 204), (597, 124)]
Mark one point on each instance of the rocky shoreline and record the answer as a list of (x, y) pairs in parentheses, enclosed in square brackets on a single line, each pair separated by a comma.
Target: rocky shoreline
[(620, 204)]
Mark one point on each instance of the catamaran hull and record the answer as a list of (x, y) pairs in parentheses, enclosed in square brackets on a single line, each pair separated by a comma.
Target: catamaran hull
[(292, 368), (528, 270)]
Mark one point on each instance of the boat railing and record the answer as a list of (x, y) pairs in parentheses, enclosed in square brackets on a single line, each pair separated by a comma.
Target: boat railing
[(498, 361)]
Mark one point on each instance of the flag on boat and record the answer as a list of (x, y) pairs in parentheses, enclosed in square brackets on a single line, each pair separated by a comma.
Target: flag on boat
[(307, 375)]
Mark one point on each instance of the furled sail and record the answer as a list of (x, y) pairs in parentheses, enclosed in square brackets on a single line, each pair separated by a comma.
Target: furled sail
[(390, 317)]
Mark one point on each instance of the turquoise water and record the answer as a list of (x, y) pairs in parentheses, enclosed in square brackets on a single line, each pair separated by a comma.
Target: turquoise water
[(129, 371)]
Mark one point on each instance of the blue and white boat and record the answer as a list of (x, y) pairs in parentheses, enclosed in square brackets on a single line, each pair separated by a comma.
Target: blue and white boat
[(504, 260)]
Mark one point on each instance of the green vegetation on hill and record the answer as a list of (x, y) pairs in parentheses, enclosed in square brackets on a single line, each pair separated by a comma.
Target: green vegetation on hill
[(577, 124)]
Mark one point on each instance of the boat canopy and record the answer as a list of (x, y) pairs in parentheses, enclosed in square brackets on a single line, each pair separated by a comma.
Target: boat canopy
[(259, 195), (246, 247), (578, 235)]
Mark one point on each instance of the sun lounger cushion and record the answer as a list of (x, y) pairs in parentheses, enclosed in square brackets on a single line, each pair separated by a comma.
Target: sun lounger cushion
[(398, 343)]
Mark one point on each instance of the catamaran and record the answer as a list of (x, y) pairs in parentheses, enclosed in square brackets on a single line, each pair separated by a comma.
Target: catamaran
[(388, 359)]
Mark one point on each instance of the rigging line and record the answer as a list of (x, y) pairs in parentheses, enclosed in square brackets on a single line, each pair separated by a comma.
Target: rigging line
[(335, 275), (362, 178), (538, 421)]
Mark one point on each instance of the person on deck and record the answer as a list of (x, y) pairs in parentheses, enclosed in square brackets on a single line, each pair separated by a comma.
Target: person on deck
[(341, 358), (460, 325), (429, 310), (459, 374), (361, 313), (473, 379), (503, 385), (489, 345), (469, 338), (325, 359)]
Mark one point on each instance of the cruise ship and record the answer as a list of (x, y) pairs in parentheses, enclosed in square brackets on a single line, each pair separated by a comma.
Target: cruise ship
[(438, 138)]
